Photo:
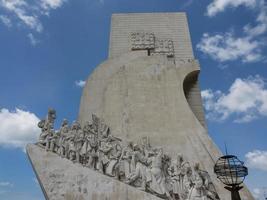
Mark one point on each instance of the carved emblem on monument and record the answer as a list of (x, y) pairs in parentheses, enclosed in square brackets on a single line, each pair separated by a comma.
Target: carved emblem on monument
[(142, 41), (148, 41), (164, 47), (137, 164)]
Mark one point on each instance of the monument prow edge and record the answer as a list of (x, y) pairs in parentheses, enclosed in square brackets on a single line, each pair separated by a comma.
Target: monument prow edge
[(60, 179), (28, 149)]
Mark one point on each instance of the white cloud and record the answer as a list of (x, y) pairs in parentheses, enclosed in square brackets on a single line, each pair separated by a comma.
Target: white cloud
[(220, 5), (80, 83), (29, 13), (227, 46), (32, 39), (245, 101), (257, 159), (261, 21), (258, 193), (6, 20), (18, 128), (6, 184), (22, 10), (51, 4)]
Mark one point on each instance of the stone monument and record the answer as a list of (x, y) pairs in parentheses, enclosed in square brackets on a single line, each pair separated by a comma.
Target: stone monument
[(141, 131)]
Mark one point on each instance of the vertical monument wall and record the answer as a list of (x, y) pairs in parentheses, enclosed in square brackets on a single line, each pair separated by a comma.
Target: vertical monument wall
[(172, 26), (145, 90)]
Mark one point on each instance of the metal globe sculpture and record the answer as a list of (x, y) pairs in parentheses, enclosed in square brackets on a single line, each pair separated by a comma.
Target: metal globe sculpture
[(232, 172)]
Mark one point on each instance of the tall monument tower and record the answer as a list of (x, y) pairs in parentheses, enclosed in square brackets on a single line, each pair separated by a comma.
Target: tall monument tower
[(147, 88)]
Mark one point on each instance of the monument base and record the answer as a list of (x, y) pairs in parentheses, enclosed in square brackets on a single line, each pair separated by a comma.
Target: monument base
[(60, 179)]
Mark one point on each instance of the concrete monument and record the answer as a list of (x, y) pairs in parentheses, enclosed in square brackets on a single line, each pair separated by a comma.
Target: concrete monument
[(141, 131)]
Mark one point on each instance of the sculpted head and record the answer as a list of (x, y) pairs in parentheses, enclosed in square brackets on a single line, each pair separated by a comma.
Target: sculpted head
[(180, 158), (51, 114), (197, 167), (130, 144), (160, 151), (75, 126), (64, 122), (189, 171), (136, 147)]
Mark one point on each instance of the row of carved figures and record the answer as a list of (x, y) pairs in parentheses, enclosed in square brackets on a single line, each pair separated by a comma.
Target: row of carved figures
[(137, 164)]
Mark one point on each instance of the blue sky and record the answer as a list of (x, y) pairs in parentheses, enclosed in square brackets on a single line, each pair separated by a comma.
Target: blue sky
[(49, 47)]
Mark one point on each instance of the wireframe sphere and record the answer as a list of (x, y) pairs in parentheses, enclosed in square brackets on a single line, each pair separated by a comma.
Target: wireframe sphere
[(230, 170)]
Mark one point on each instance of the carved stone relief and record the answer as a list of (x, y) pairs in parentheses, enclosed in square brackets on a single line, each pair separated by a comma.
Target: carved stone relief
[(142, 41), (164, 47), (148, 41), (138, 164)]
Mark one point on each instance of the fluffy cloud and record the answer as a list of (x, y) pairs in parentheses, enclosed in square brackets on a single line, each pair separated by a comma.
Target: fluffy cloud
[(51, 4), (257, 159), (29, 13), (80, 83), (22, 10), (18, 128), (227, 46), (261, 21), (220, 5), (246, 100)]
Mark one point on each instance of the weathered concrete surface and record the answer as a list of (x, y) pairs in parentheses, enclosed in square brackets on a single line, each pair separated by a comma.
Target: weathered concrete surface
[(143, 96), (60, 179), (172, 26)]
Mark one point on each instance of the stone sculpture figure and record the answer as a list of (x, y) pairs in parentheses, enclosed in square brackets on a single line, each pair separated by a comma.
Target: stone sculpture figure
[(113, 166), (208, 189), (63, 134), (78, 142), (139, 165), (139, 172), (180, 167), (125, 161), (46, 131), (197, 191), (87, 128), (105, 148), (92, 153), (188, 184), (158, 179), (174, 179), (47, 126), (51, 141), (88, 150), (71, 153)]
